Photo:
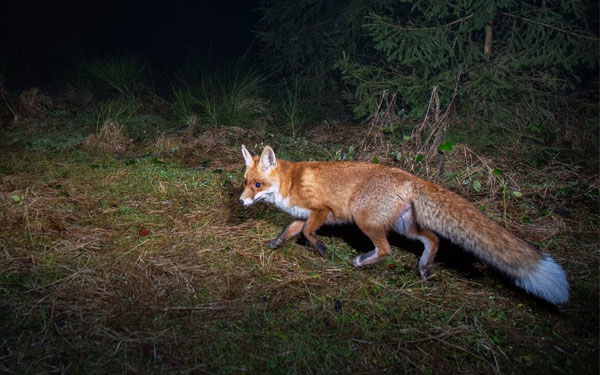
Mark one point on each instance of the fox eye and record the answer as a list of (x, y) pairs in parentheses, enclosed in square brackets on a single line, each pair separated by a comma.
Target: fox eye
[(257, 185)]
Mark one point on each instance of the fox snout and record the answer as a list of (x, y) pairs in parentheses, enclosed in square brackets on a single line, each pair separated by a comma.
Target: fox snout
[(245, 200)]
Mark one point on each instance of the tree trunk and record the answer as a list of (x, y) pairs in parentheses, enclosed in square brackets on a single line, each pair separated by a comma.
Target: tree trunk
[(487, 48)]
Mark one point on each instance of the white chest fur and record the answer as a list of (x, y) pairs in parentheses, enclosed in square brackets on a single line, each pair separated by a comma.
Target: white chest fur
[(284, 205)]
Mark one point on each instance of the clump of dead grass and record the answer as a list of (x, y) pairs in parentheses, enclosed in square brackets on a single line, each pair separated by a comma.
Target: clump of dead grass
[(32, 103), (110, 138), (216, 147), (337, 133), (80, 98), (165, 143)]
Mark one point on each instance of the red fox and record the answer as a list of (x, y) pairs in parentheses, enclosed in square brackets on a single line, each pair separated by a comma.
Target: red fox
[(378, 199)]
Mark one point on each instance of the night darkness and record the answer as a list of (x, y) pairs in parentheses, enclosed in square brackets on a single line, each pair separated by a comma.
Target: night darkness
[(39, 39)]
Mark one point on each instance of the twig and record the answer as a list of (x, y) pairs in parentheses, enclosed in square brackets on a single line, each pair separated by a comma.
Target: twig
[(374, 121), (439, 120), (56, 281), (398, 27), (197, 308)]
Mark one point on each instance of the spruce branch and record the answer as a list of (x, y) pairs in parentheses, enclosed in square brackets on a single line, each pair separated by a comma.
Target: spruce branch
[(550, 26), (398, 27)]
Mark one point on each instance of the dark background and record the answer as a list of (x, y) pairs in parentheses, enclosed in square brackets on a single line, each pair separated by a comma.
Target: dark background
[(39, 40)]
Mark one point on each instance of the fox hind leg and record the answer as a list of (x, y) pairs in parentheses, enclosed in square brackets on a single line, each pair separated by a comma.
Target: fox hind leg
[(407, 226), (382, 247), (431, 244)]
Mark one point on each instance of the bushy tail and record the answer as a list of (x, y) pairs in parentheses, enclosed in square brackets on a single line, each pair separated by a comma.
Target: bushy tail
[(456, 219)]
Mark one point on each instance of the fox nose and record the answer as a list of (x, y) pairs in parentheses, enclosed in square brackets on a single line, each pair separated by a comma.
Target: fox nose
[(241, 202)]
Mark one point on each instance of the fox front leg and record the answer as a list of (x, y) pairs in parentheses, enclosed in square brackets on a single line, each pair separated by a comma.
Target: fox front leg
[(314, 221), (288, 232), (308, 229)]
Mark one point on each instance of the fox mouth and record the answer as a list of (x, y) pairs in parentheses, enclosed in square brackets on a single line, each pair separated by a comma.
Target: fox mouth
[(250, 201)]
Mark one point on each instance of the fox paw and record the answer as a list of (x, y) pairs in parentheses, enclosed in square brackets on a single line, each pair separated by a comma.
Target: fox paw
[(367, 258), (321, 248), (425, 272), (274, 244)]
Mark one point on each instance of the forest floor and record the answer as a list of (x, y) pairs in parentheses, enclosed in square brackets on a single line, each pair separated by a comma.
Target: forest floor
[(141, 260)]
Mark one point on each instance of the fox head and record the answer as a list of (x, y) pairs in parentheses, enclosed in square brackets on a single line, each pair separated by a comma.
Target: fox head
[(261, 181)]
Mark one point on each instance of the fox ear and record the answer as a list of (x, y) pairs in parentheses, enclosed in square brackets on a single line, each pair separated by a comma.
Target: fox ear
[(247, 156), (267, 159)]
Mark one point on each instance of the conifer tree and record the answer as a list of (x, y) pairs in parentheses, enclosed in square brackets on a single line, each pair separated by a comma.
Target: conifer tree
[(505, 62), (502, 57)]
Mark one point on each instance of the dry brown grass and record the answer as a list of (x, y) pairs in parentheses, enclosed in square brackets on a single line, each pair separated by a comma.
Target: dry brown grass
[(31, 103), (165, 143), (214, 147), (80, 98), (110, 138), (160, 266), (34, 103)]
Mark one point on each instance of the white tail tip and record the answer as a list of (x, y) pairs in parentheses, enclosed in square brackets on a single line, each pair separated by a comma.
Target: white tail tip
[(547, 281)]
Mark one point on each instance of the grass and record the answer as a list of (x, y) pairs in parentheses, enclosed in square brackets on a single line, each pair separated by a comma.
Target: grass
[(292, 110), (122, 76), (231, 96), (143, 261)]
